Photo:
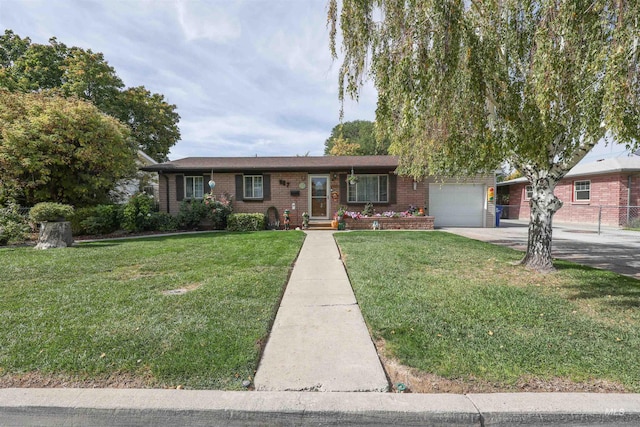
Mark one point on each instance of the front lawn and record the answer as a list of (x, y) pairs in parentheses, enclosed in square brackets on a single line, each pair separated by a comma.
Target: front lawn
[(458, 310), (99, 314)]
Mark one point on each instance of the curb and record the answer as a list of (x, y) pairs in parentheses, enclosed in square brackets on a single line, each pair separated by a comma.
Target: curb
[(132, 407)]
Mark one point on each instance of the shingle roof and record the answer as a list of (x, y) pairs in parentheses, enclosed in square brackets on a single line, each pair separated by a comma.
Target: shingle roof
[(600, 167), (302, 163)]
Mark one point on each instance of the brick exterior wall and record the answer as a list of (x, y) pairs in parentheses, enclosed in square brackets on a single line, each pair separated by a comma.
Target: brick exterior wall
[(281, 197), (410, 223), (609, 194)]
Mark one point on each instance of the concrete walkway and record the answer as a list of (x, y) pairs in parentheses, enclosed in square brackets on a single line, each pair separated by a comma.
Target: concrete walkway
[(319, 340)]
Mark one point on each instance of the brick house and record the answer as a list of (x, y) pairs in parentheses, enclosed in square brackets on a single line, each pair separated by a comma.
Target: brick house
[(318, 185), (607, 189)]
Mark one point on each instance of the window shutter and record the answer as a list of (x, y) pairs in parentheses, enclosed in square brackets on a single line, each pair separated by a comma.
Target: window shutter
[(239, 188), (266, 187), (179, 187), (393, 184), (205, 185), (342, 178)]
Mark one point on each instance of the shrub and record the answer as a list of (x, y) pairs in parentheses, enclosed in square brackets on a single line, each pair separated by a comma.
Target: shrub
[(163, 221), (79, 215), (105, 219), (50, 211), (219, 209), (14, 227), (191, 213), (138, 212), (246, 222)]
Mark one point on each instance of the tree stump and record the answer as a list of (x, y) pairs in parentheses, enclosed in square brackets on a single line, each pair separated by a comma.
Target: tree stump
[(55, 235)]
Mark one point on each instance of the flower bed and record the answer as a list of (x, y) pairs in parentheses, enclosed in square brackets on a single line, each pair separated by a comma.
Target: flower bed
[(390, 223)]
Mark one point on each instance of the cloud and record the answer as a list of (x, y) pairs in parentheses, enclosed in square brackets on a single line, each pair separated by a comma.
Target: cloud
[(207, 20)]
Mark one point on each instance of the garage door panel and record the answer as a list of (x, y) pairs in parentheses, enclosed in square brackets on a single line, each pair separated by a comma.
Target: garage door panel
[(457, 205)]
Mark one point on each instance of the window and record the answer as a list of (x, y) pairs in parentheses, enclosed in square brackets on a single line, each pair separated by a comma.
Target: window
[(369, 188), (528, 192), (194, 187), (253, 188), (581, 191)]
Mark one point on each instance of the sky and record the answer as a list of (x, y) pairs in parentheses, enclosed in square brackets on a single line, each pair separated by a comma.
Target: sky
[(248, 77)]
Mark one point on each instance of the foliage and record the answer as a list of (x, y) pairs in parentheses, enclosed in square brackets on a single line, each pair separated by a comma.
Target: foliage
[(356, 138), (14, 227), (103, 309), (368, 209), (50, 211), (101, 219), (74, 71), (137, 214), (490, 321), (247, 222), (163, 221), (192, 213), (463, 86), (60, 149), (219, 209)]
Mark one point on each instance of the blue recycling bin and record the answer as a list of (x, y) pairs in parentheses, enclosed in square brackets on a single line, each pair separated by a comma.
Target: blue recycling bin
[(499, 209)]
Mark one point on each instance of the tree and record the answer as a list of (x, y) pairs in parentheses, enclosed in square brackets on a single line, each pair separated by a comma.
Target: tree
[(465, 85), (27, 67), (60, 149), (356, 138), (153, 121)]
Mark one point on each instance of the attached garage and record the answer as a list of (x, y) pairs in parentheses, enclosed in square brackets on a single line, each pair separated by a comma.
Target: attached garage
[(457, 205)]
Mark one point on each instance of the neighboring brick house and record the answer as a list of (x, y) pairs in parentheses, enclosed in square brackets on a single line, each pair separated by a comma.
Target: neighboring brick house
[(318, 185), (607, 190)]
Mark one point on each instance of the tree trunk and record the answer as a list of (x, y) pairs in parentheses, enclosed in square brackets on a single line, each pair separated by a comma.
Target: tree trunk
[(543, 205), (55, 235)]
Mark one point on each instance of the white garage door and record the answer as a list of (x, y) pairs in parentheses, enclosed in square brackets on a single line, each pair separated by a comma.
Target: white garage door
[(457, 205)]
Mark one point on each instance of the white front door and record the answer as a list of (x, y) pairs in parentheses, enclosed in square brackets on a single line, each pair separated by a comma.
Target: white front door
[(319, 196)]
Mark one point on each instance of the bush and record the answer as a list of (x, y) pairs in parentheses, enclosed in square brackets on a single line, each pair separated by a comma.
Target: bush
[(137, 214), (105, 219), (49, 211), (191, 213), (163, 221), (219, 209), (246, 222), (14, 227)]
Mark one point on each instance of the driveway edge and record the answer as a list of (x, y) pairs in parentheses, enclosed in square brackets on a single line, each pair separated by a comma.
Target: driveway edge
[(131, 407)]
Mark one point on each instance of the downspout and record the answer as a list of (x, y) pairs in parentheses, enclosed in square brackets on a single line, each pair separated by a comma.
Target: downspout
[(166, 178), (629, 180)]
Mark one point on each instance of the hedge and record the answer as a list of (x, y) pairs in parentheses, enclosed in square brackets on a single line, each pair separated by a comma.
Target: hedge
[(246, 222)]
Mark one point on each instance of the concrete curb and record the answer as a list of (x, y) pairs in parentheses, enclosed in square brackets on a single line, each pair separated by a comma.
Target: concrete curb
[(97, 407)]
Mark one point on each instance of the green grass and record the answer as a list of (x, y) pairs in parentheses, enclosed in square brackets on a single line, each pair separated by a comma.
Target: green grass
[(458, 308), (98, 309)]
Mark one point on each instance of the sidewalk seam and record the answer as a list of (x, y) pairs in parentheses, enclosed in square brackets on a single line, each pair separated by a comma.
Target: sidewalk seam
[(480, 416)]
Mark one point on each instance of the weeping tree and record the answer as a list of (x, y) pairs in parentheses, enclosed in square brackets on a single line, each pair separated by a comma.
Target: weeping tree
[(464, 86)]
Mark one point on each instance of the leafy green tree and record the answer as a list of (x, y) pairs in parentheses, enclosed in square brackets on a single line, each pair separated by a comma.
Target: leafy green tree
[(88, 76), (78, 72), (465, 85), (356, 138), (152, 120), (60, 149)]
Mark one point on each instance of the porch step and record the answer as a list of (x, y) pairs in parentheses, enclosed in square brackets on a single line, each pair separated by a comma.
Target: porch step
[(320, 225)]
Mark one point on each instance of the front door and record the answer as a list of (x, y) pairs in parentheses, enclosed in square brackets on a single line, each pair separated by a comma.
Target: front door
[(319, 195)]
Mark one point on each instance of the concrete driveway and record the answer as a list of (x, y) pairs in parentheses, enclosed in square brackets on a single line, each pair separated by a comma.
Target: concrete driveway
[(612, 249)]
